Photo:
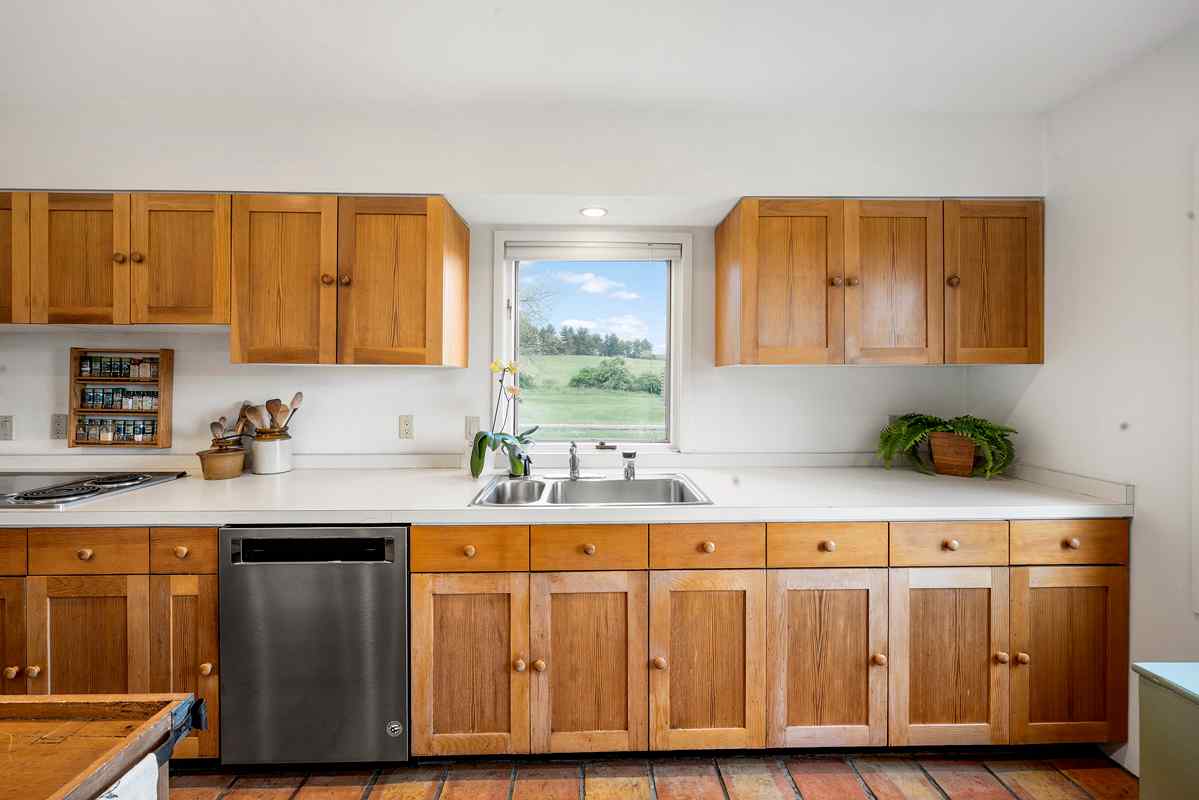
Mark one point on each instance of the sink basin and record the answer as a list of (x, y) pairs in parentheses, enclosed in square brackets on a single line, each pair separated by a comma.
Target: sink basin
[(654, 490)]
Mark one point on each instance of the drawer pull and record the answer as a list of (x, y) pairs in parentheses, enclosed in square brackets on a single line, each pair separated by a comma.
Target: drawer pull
[(84, 553), (1002, 657), (539, 665), (470, 551), (519, 665), (951, 544), (1073, 543), (206, 668), (33, 670), (589, 549), (709, 547), (11, 672), (659, 663), (878, 659), (1022, 658), (828, 546), (181, 551)]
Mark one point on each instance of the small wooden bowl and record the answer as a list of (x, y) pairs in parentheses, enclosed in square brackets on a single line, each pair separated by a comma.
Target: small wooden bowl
[(953, 454), (222, 463)]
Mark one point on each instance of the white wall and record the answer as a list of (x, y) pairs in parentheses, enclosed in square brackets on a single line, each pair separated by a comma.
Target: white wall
[(1114, 397)]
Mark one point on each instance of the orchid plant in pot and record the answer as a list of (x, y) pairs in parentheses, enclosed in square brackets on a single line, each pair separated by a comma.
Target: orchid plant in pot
[(514, 444)]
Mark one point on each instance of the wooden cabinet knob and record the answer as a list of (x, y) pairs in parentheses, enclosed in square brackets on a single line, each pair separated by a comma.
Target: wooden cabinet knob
[(181, 551), (206, 668), (878, 659), (519, 665), (828, 546), (836, 281), (327, 279), (84, 553), (136, 257), (951, 544), (344, 280), (659, 662), (709, 547), (1002, 657), (852, 281), (539, 665), (470, 551), (11, 672), (33, 670), (118, 258), (1022, 658), (1073, 543), (954, 281), (589, 549)]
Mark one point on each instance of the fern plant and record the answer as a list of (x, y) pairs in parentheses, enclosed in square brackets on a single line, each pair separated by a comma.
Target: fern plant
[(902, 438)]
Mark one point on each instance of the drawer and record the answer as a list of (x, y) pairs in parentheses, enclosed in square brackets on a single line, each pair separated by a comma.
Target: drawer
[(469, 548), (826, 544), (714, 545), (949, 544), (14, 549), (589, 547), (1070, 541), (89, 551), (175, 551)]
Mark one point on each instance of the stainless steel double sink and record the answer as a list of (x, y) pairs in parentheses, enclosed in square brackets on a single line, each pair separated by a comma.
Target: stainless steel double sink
[(654, 490)]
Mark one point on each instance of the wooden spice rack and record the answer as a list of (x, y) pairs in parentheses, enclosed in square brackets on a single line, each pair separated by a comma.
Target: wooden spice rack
[(160, 416)]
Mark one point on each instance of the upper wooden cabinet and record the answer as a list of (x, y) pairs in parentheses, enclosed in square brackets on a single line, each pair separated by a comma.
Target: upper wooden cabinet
[(79, 258), (402, 281), (14, 257), (994, 300), (179, 258)]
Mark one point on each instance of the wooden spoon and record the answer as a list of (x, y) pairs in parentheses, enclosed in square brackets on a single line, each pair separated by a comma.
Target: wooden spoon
[(217, 429), (273, 405), (258, 415), (279, 415), (297, 400)]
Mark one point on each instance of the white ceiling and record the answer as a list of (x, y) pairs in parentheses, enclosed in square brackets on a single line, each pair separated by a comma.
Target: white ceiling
[(922, 55)]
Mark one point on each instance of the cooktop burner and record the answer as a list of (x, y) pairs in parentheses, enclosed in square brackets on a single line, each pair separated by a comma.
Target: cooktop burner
[(120, 480), (31, 490), (55, 494)]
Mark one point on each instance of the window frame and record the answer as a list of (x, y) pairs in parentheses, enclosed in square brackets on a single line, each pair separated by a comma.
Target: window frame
[(678, 344)]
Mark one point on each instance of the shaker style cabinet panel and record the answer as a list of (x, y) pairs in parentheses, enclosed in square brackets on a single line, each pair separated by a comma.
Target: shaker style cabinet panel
[(893, 276), (179, 258), (1070, 654), (402, 281), (949, 656), (827, 650), (79, 258), (12, 636), (994, 277), (470, 664), (707, 648), (284, 289), (589, 669), (780, 282), (88, 634), (183, 650), (14, 257)]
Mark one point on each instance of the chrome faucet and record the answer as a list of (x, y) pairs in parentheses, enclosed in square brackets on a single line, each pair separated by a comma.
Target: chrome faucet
[(630, 464), (574, 461)]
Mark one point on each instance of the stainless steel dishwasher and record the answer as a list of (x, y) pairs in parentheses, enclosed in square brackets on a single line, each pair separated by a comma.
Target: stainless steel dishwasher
[(314, 644)]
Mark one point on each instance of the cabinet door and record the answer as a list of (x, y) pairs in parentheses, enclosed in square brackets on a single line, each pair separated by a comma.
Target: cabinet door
[(800, 274), (470, 655), (179, 258), (12, 635), (949, 670), (590, 683), (88, 634), (1070, 643), (183, 650), (79, 258), (994, 300), (14, 257), (894, 270), (707, 647), (827, 648), (284, 285)]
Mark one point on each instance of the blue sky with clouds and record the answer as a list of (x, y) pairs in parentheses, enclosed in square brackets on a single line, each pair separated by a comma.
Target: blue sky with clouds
[(627, 298)]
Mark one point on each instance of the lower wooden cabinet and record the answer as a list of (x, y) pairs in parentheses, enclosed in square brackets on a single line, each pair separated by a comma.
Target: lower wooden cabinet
[(12, 636), (707, 647), (470, 663), (949, 656), (184, 649), (827, 658), (1070, 654), (588, 650)]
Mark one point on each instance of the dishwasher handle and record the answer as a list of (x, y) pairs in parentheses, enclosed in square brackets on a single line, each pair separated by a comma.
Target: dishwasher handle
[(312, 550)]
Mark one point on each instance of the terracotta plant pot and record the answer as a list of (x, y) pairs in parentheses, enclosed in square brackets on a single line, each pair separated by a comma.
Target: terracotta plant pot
[(952, 454)]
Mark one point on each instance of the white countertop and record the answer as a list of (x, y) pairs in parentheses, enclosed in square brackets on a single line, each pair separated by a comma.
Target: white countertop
[(443, 496)]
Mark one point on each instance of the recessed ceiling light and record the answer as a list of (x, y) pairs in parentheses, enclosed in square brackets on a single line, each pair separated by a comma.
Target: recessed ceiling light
[(593, 211)]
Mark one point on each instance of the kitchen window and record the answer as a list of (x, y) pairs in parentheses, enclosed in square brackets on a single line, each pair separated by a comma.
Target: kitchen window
[(593, 326)]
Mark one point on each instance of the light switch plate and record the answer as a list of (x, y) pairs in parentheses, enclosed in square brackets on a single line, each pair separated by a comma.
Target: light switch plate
[(406, 426), (58, 426), (6, 428)]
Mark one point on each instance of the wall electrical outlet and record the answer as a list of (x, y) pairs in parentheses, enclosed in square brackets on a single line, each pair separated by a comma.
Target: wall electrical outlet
[(406, 427), (58, 426), (6, 428), (472, 427)]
